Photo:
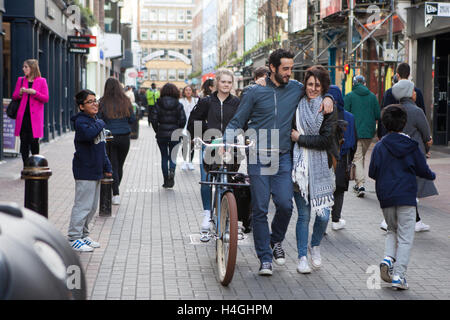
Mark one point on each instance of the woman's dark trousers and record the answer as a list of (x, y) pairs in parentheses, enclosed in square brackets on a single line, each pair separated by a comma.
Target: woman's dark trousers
[(117, 153)]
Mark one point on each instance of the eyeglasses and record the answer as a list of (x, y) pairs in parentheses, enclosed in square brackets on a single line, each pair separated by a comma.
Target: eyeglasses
[(91, 101)]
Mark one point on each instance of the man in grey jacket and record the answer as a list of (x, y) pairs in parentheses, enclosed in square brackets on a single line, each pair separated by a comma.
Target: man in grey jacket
[(269, 111)]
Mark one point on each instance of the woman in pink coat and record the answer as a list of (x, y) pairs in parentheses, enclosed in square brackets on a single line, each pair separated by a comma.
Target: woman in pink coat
[(32, 91)]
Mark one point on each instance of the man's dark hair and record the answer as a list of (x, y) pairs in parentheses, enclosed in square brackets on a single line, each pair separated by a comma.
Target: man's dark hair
[(320, 73), (403, 70), (170, 90), (153, 86), (276, 56), (81, 96), (394, 117), (260, 72)]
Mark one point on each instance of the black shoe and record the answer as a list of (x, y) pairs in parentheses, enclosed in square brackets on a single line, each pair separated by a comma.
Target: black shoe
[(265, 269), (278, 254), (165, 185), (171, 179), (360, 192)]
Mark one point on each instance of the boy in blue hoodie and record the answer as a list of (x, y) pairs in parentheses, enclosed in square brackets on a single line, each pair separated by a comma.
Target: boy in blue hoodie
[(396, 161), (90, 164)]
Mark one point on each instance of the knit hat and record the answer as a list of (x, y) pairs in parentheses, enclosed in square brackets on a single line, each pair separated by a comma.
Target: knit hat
[(403, 89)]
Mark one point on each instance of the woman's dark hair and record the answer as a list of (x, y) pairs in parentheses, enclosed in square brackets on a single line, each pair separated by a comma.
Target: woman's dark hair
[(260, 72), (276, 56), (320, 73), (115, 104), (394, 117), (81, 96), (170, 90), (206, 87), (184, 89)]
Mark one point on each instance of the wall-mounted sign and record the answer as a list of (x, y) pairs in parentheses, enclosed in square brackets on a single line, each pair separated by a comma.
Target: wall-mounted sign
[(79, 40), (79, 50), (438, 9)]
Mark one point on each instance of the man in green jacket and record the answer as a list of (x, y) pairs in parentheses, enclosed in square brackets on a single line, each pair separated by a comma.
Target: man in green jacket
[(364, 106), (152, 97)]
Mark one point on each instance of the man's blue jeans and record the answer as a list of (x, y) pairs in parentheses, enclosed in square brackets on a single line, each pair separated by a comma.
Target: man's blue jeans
[(302, 229), (279, 185)]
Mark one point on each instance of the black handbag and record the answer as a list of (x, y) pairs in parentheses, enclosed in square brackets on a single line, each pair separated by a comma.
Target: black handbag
[(13, 106)]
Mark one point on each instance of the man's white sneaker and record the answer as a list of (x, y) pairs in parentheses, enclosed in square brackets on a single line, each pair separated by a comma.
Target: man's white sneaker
[(383, 225), (303, 265), (316, 260), (91, 243), (338, 225), (190, 166), (420, 226), (116, 200), (79, 245)]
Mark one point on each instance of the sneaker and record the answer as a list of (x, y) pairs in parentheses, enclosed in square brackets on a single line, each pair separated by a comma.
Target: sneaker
[(386, 269), (79, 245), (383, 225), (265, 269), (116, 200), (420, 226), (316, 260), (278, 254), (206, 223), (360, 192), (338, 225), (184, 166), (190, 166), (303, 265), (399, 283), (91, 243)]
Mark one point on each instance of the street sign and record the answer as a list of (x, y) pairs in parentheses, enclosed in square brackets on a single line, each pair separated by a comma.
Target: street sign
[(79, 40), (79, 50), (140, 74), (437, 9)]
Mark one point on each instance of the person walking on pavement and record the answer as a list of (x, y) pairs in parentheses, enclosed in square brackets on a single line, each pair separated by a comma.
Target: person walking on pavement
[(166, 116), (270, 109), (90, 164), (364, 106), (152, 97), (418, 129), (315, 144), (213, 112), (395, 162), (116, 110), (347, 153), (188, 102), (32, 91), (130, 94)]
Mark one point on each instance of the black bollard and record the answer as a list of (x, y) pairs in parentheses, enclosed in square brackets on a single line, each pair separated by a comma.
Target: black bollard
[(36, 174), (105, 197)]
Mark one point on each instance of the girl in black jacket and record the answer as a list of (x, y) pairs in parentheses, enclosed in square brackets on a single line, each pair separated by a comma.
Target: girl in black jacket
[(166, 116)]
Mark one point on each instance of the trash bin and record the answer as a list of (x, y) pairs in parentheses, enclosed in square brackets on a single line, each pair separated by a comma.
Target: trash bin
[(36, 261)]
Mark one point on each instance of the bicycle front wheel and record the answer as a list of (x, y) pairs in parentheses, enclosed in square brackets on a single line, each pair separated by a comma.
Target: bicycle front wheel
[(226, 244)]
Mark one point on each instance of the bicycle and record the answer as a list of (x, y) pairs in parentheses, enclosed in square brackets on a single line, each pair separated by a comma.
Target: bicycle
[(224, 212)]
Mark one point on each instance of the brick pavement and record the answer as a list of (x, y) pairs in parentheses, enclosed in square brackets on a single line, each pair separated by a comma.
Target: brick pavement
[(150, 248)]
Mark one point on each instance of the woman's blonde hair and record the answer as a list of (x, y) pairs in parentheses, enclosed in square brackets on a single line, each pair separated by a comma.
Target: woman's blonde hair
[(221, 72), (34, 66)]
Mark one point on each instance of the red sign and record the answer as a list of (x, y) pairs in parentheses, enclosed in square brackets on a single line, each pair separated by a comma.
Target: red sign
[(133, 74), (140, 74), (92, 42)]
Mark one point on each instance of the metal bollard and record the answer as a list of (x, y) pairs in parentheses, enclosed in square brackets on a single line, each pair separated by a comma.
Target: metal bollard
[(36, 174), (105, 197)]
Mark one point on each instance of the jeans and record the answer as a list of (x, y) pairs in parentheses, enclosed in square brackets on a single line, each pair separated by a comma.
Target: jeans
[(117, 150), (166, 146), (279, 185), (205, 190), (302, 229)]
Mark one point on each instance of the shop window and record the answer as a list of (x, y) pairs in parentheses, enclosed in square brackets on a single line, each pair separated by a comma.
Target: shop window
[(163, 75), (181, 75), (172, 75), (172, 35)]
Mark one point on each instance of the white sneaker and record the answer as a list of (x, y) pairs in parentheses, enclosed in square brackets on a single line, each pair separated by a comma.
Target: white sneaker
[(303, 265), (383, 225), (316, 260), (116, 200), (420, 226), (81, 246), (338, 225), (206, 223), (190, 166), (91, 243), (184, 166)]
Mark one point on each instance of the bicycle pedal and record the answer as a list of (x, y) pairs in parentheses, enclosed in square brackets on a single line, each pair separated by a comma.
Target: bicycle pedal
[(205, 237)]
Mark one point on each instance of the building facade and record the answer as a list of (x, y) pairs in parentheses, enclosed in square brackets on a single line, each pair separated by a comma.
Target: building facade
[(165, 37)]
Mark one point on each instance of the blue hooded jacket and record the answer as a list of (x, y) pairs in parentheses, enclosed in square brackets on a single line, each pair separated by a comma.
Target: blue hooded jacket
[(90, 161), (395, 162)]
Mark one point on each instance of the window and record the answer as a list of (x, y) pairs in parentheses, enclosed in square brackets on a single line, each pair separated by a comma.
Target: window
[(162, 74), (153, 74), (144, 34), (162, 35), (170, 56), (144, 15), (180, 34), (153, 15), (189, 55), (181, 15), (172, 35), (162, 16), (189, 35), (181, 74), (154, 35), (181, 51), (145, 52), (171, 15), (189, 15), (172, 74)]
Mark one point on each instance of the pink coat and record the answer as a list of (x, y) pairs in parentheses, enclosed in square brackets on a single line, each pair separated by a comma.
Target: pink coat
[(36, 105)]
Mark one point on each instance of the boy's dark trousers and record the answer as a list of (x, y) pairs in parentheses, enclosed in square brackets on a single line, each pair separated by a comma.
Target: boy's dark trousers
[(117, 150)]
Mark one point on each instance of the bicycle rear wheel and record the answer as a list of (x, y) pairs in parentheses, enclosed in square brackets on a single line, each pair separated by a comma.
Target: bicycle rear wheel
[(226, 244)]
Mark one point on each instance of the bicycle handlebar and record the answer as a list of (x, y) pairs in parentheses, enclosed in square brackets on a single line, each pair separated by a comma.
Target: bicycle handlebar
[(198, 139)]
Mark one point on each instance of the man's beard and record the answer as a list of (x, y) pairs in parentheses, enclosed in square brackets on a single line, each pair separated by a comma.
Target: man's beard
[(279, 78)]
